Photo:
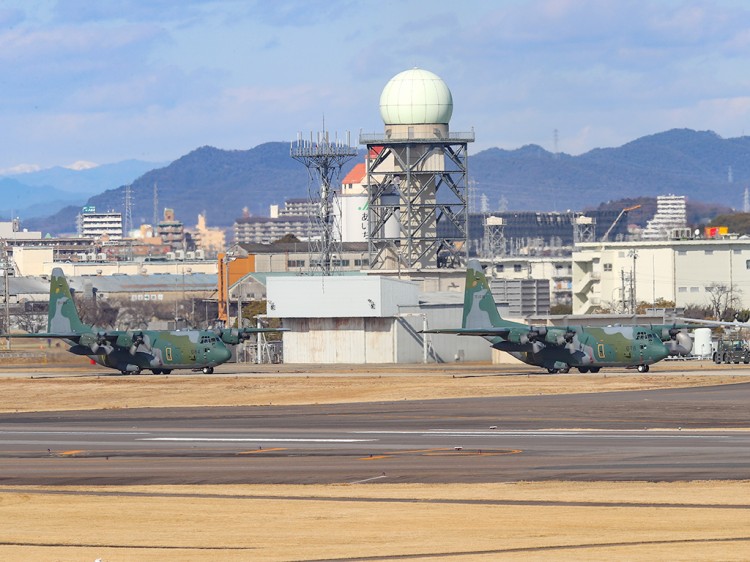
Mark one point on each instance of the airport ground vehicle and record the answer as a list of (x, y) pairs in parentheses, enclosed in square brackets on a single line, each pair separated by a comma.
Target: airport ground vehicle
[(731, 351)]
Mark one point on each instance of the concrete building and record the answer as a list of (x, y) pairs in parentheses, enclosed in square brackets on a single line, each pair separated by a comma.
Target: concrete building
[(209, 240), (99, 225), (352, 205), (265, 230), (557, 271), (172, 232), (614, 275), (41, 260)]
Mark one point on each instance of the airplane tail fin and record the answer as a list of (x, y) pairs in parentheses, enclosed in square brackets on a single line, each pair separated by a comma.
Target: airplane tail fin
[(480, 310), (63, 317)]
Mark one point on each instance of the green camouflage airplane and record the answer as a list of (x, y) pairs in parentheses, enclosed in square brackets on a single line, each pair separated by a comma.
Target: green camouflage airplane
[(557, 349), (130, 352)]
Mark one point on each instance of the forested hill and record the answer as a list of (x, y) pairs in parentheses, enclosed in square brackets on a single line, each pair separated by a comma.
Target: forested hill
[(698, 164)]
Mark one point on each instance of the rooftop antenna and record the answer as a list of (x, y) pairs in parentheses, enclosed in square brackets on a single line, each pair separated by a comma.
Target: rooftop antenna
[(156, 207), (128, 219), (323, 157), (556, 137)]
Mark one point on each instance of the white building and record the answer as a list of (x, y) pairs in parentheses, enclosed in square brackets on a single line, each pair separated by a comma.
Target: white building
[(671, 214), (92, 224), (606, 274)]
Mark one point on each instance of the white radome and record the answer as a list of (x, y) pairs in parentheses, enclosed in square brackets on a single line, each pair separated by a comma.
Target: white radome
[(416, 97)]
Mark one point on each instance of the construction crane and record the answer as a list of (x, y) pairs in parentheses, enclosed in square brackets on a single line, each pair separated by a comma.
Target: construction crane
[(625, 211)]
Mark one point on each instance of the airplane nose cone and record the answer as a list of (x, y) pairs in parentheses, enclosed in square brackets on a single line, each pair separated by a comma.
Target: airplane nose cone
[(224, 355)]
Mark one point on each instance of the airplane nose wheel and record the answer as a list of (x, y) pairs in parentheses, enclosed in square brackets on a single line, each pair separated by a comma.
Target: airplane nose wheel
[(208, 370), (643, 368)]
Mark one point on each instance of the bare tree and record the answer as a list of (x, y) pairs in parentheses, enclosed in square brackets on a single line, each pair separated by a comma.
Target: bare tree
[(30, 322), (723, 299), (96, 312)]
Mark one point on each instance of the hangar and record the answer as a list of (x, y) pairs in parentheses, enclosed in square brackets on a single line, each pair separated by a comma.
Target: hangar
[(367, 319)]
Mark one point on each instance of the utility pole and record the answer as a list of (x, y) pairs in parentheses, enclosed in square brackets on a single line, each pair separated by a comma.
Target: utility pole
[(6, 292), (633, 254)]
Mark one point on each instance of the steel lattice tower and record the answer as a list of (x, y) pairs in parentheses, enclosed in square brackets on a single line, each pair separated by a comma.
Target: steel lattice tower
[(414, 184), (128, 215), (323, 159)]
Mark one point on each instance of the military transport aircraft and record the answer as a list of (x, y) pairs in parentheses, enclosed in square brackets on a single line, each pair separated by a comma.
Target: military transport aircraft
[(131, 351), (557, 349)]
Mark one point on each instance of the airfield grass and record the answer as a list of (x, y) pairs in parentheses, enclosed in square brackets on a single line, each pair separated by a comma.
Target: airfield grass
[(457, 522), (625, 521)]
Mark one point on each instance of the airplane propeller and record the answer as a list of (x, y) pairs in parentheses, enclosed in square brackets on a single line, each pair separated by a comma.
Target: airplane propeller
[(677, 341), (138, 340)]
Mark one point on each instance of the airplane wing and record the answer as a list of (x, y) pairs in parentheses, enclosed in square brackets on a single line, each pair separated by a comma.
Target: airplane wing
[(44, 335), (501, 332), (695, 322)]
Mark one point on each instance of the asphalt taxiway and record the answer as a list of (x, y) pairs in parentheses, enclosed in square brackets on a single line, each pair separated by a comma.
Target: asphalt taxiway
[(676, 434)]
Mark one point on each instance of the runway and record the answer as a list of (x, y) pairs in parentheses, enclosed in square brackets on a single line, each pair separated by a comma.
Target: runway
[(681, 434)]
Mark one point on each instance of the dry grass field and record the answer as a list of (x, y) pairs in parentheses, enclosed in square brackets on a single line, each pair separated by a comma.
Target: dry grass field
[(519, 521), (510, 521)]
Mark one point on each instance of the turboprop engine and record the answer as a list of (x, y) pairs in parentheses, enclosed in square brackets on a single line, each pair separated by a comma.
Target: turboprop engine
[(677, 341)]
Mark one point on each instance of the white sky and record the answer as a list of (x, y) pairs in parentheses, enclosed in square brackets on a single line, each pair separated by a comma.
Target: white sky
[(106, 81)]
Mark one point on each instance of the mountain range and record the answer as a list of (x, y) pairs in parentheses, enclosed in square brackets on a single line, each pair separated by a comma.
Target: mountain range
[(40, 193), (699, 164)]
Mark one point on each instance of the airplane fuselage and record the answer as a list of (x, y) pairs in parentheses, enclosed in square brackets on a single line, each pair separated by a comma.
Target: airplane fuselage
[(158, 350), (590, 348)]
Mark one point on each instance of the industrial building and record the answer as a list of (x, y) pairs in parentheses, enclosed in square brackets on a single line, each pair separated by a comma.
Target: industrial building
[(617, 275)]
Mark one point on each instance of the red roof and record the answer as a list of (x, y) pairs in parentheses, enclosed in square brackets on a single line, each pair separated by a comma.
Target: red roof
[(356, 175), (375, 151)]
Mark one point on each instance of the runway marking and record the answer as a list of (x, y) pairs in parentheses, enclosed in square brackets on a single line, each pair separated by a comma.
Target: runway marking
[(476, 453), (369, 479), (254, 440), (256, 451), (22, 432), (70, 453), (618, 434), (444, 452)]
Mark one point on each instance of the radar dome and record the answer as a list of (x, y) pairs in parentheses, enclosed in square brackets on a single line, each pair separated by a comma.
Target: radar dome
[(416, 97)]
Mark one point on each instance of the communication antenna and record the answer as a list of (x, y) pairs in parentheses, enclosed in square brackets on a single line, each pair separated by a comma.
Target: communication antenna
[(556, 137), (323, 157), (128, 218), (156, 207)]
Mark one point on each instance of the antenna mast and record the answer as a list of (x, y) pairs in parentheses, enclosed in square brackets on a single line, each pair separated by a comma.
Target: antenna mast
[(323, 159)]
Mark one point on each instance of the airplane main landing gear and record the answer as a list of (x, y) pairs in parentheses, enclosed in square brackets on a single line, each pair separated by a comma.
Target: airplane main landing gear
[(643, 368)]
